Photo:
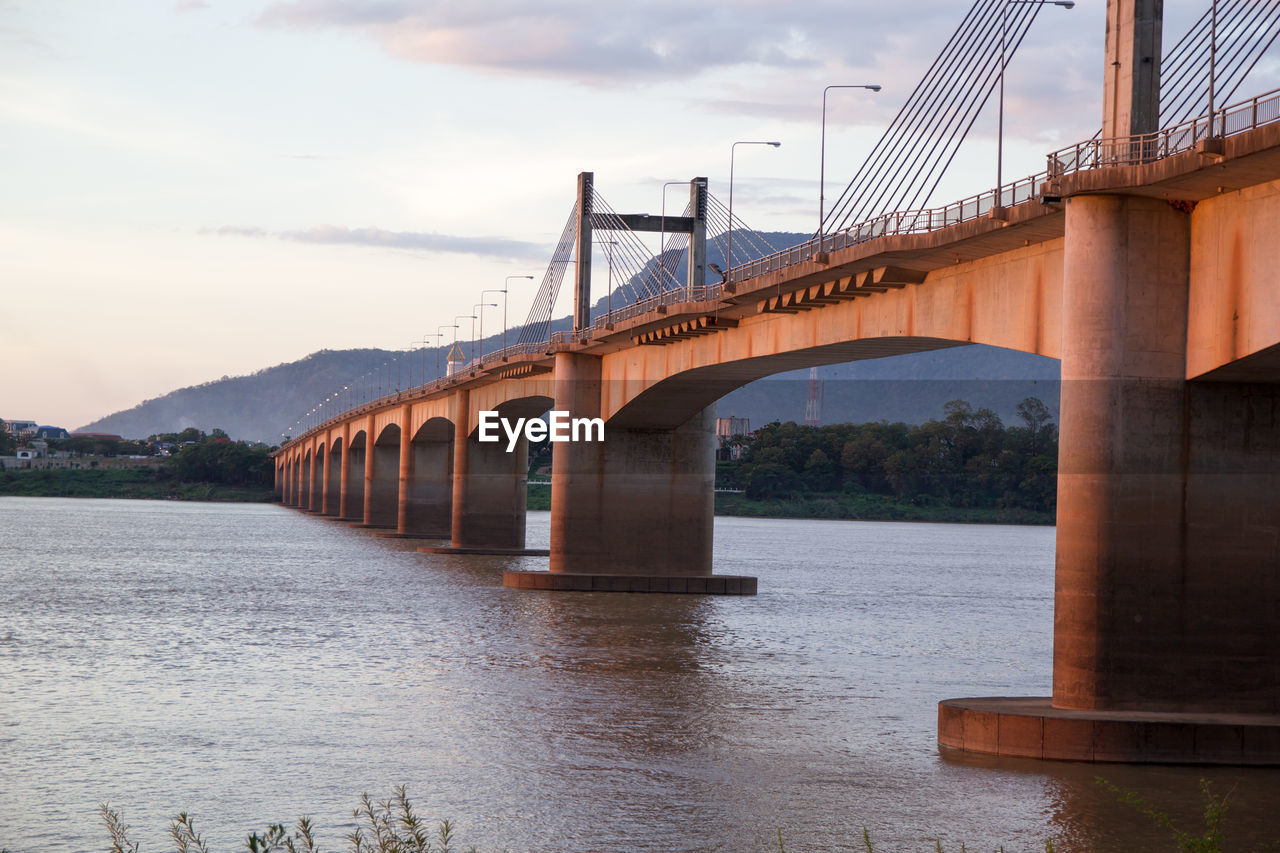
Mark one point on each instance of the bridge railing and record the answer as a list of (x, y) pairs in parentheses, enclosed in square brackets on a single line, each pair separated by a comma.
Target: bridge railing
[(1147, 148), (896, 223)]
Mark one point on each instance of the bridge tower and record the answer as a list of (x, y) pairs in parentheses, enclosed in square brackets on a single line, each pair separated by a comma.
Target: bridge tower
[(695, 225)]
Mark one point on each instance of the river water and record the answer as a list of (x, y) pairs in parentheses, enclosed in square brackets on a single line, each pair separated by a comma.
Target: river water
[(249, 664)]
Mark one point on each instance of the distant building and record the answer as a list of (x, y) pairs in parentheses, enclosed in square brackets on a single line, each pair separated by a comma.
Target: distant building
[(455, 359), (51, 432), (20, 427), (727, 429)]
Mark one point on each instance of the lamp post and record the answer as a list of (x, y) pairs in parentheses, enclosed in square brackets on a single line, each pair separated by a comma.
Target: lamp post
[(608, 299), (1004, 10), (822, 153), (728, 261), (495, 305), (424, 353), (505, 287), (457, 325), (479, 309)]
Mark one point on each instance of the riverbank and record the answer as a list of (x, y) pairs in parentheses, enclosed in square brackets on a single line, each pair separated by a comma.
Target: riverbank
[(836, 505), (151, 484), (137, 483), (865, 507)]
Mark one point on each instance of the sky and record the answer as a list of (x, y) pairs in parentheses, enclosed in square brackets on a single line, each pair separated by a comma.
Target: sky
[(190, 190)]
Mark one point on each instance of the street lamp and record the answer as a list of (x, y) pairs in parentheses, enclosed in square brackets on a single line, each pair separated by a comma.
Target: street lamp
[(1004, 9), (728, 261), (495, 305), (479, 309), (505, 287), (608, 300), (822, 153), (424, 353), (457, 325)]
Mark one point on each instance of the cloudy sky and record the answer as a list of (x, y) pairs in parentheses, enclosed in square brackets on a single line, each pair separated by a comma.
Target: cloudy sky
[(196, 189)]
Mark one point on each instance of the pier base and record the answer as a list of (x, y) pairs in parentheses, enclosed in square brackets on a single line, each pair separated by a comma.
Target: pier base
[(1033, 728), (567, 582), (497, 552)]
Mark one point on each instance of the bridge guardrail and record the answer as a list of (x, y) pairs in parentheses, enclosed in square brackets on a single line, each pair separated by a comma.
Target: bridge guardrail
[(1147, 148), (896, 223)]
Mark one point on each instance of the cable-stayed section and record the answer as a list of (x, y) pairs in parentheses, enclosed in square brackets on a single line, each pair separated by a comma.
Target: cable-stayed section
[(906, 164), (1242, 32), (537, 326)]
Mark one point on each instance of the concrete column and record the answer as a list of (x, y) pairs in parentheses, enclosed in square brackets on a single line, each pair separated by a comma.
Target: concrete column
[(1167, 588), (354, 491), (489, 486), (405, 479), (333, 465), (1131, 74), (582, 269), (314, 473), (429, 504), (638, 503), (344, 509), (323, 506), (370, 466), (382, 480)]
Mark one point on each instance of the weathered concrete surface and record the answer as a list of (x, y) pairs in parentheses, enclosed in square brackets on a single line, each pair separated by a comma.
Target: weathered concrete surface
[(1234, 301), (1168, 554)]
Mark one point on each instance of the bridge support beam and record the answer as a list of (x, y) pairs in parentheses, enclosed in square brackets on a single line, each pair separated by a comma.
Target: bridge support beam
[(1168, 554), (354, 460), (489, 490), (381, 478), (426, 483), (632, 513), (333, 466)]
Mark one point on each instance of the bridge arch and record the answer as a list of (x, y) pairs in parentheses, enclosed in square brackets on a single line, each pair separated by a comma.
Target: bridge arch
[(382, 476), (665, 402), (427, 493), (332, 493)]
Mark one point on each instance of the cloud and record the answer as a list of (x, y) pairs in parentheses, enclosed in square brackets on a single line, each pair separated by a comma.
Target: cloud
[(593, 42), (190, 6), (496, 247)]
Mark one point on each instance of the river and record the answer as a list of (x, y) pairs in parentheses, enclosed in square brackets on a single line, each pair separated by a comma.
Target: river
[(249, 664)]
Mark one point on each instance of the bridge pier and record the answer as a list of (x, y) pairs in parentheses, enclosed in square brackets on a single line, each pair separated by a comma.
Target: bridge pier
[(1167, 586), (489, 490), (354, 461), (332, 479), (632, 513), (426, 480)]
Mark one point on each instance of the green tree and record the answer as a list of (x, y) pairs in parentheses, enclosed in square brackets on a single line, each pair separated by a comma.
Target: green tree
[(7, 444)]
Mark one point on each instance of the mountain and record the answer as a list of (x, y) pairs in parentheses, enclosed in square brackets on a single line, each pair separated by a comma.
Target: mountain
[(911, 388)]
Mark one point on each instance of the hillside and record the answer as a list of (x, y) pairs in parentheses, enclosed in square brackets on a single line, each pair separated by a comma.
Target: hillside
[(909, 388)]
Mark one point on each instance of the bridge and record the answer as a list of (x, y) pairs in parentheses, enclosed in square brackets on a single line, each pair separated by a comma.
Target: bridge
[(1144, 259)]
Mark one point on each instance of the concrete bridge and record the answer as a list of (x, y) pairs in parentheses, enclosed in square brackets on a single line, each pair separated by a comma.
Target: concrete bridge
[(1146, 261)]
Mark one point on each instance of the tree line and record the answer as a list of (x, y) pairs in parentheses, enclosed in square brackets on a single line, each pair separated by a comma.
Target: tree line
[(968, 458)]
